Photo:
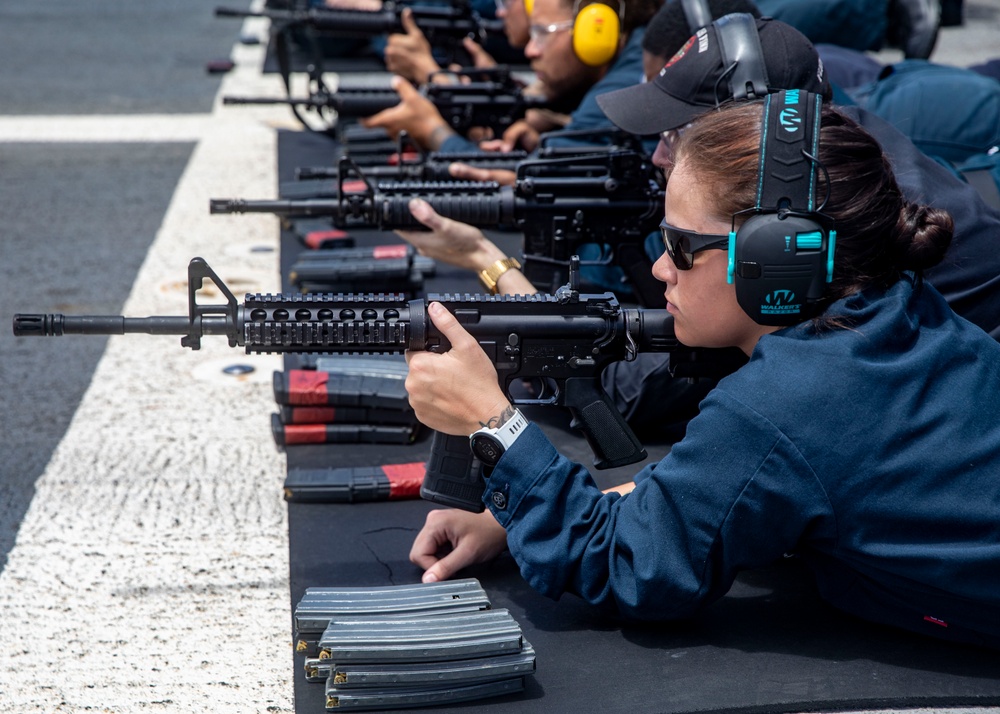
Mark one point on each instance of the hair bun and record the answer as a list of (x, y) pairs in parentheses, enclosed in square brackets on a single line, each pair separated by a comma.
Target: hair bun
[(923, 235)]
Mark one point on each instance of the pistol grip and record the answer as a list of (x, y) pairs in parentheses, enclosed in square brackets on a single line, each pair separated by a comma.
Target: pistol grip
[(608, 434), (454, 477)]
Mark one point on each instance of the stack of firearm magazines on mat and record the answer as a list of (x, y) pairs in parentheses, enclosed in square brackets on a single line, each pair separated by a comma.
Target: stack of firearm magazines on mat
[(344, 399), (379, 269), (409, 645), (347, 399)]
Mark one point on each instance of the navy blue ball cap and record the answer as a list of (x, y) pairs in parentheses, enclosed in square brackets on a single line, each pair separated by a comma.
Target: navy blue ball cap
[(696, 78)]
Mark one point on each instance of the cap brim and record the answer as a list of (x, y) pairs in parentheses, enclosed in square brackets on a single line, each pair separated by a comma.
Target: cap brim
[(645, 109)]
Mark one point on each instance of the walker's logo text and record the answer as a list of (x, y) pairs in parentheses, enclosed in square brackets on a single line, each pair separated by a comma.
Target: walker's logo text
[(780, 302)]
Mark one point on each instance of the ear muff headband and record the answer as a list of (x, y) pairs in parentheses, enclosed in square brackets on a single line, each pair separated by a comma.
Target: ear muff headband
[(597, 31), (697, 13), (789, 135), (782, 257), (529, 5), (739, 43)]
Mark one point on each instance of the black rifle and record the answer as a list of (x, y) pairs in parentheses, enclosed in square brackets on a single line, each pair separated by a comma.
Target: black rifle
[(494, 102), (444, 27), (401, 162), (612, 198), (321, 181), (432, 166), (561, 343)]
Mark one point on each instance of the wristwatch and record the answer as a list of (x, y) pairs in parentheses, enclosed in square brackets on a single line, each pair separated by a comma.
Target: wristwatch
[(491, 275), (488, 445)]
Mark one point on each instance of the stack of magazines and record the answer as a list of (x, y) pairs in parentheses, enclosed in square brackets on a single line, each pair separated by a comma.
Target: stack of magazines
[(381, 269), (410, 645), (344, 399)]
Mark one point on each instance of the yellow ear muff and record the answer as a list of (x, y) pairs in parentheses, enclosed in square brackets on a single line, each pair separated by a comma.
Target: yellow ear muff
[(529, 5), (595, 34)]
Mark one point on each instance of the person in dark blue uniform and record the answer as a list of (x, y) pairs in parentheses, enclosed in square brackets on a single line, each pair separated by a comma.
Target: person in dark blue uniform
[(574, 57), (863, 435), (968, 277)]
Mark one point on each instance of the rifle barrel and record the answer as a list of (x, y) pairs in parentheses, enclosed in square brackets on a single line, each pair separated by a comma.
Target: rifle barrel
[(56, 324), (307, 207)]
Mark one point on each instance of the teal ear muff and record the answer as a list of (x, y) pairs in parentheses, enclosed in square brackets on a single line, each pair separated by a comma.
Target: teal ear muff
[(597, 31), (781, 258)]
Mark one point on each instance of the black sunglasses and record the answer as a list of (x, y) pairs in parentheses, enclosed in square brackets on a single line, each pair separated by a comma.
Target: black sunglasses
[(681, 245)]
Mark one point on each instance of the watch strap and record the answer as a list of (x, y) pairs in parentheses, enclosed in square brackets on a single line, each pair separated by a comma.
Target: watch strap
[(506, 435), (491, 275), (511, 429)]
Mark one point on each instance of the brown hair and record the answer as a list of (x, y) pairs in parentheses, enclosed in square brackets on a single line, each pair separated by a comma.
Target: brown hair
[(879, 233), (639, 13)]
